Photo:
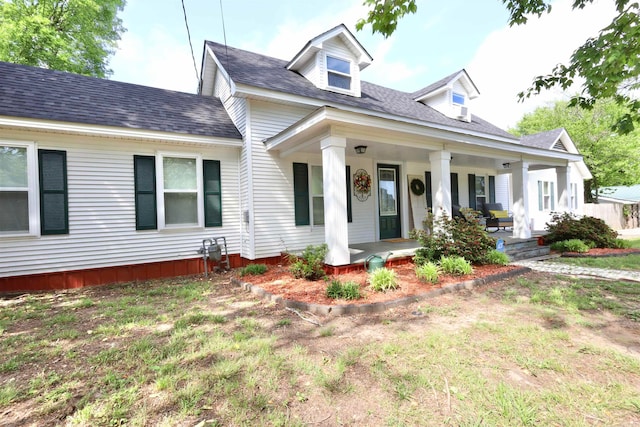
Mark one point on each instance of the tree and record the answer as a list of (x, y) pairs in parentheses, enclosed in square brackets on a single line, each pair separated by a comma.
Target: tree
[(69, 35), (608, 63), (612, 158)]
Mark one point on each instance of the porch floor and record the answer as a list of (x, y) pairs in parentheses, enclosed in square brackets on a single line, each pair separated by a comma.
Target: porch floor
[(401, 248)]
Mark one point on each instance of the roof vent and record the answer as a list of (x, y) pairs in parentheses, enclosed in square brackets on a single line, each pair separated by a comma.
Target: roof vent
[(464, 114)]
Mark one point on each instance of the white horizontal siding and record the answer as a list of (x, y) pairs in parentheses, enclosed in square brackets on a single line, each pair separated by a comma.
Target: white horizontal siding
[(273, 212), (102, 210), (236, 107)]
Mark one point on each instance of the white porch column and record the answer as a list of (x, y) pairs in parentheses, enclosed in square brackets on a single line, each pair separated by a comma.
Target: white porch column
[(441, 182), (564, 188), (336, 233), (521, 223)]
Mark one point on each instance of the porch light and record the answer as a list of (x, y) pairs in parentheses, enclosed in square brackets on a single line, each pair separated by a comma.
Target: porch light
[(361, 149)]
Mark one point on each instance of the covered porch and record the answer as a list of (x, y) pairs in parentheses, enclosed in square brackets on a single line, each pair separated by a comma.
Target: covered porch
[(393, 153)]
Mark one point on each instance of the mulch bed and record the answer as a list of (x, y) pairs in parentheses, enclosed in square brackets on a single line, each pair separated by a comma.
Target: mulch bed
[(601, 253)]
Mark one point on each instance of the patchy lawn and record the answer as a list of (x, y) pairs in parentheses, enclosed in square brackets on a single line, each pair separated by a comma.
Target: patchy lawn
[(533, 350)]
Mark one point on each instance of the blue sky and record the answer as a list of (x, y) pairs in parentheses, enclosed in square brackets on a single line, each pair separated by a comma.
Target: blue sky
[(443, 37)]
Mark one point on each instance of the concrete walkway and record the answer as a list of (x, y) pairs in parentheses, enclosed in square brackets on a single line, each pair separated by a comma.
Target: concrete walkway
[(573, 270)]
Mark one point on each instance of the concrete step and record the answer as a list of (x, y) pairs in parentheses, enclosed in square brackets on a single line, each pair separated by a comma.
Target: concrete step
[(539, 252)]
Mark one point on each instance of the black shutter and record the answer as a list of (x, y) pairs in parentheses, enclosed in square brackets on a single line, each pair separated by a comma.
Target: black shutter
[(144, 172), (472, 191), (455, 197), (54, 210), (212, 193), (427, 189), (492, 189), (301, 193), (349, 214)]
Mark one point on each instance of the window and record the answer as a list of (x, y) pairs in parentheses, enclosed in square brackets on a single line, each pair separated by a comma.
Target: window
[(480, 191), (338, 73), (307, 192), (317, 195), (546, 196), (458, 98), (19, 199), (574, 196), (189, 190)]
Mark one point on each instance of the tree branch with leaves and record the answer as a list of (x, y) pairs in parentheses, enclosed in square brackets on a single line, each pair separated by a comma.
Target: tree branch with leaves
[(609, 63)]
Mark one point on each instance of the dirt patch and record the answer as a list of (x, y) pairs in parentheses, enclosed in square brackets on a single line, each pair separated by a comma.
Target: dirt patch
[(279, 281)]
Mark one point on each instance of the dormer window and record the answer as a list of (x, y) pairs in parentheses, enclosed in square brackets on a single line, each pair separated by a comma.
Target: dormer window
[(457, 98), (338, 73)]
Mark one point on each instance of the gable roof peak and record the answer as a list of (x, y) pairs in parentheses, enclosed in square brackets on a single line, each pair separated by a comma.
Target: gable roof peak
[(447, 82), (315, 44)]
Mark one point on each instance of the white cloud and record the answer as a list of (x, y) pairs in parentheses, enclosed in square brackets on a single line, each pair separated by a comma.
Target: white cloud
[(511, 57)]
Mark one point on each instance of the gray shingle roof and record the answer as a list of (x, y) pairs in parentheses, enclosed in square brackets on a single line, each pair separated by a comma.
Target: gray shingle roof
[(265, 72), (39, 93), (542, 140), (436, 85)]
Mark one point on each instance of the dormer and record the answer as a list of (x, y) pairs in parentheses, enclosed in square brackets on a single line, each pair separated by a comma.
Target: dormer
[(450, 95), (333, 61)]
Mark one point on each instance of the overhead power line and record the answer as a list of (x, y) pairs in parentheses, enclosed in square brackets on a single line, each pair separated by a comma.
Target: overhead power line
[(186, 23)]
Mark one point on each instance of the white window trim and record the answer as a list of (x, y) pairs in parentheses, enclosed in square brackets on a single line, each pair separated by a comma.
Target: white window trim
[(351, 90), (312, 195), (160, 190), (546, 196), (464, 97), (33, 196), (573, 205)]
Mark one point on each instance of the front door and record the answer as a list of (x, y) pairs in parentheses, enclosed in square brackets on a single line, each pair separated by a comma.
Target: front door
[(389, 201)]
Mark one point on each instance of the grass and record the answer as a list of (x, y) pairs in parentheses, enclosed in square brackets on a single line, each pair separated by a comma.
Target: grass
[(195, 351), (626, 262)]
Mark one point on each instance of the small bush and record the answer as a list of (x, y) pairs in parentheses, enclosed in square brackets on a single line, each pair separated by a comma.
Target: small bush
[(253, 270), (309, 265), (463, 237), (567, 226), (621, 244), (348, 290), (429, 272), (383, 279), (572, 245), (351, 290), (497, 258), (455, 265)]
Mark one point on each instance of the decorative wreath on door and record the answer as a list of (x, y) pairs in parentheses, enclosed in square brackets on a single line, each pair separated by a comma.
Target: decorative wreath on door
[(417, 187)]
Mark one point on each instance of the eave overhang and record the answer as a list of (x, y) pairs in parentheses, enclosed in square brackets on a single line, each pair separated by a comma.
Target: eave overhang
[(21, 123)]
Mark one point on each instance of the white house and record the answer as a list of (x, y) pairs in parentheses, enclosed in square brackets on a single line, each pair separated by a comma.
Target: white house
[(103, 181)]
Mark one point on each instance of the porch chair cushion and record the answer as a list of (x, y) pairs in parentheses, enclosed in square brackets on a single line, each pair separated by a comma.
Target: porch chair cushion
[(496, 216), (499, 214)]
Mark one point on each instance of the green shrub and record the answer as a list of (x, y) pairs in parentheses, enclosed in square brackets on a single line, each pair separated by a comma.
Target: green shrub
[(572, 245), (455, 265), (454, 237), (309, 265), (348, 290), (383, 279), (621, 244), (253, 270), (567, 226), (429, 272), (351, 290), (496, 257), (334, 289)]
